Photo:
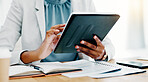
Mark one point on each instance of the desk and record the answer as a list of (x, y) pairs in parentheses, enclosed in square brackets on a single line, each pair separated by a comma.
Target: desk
[(143, 77)]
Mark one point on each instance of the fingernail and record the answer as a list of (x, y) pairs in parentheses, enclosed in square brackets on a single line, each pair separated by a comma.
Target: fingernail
[(76, 47), (57, 30), (62, 25), (78, 50), (82, 42), (95, 37)]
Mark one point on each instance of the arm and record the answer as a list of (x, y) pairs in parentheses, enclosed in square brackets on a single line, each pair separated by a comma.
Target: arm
[(11, 29), (46, 47)]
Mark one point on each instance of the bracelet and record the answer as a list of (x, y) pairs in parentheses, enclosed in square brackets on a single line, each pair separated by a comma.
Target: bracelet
[(104, 56)]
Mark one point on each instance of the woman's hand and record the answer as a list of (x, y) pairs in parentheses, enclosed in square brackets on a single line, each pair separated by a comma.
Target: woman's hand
[(46, 47), (96, 52), (50, 41)]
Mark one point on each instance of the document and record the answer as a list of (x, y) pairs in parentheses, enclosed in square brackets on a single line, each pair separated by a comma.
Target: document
[(91, 68), (21, 71), (122, 72), (100, 69)]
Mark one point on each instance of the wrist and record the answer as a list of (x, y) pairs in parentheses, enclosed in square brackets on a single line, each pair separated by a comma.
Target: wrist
[(43, 51), (29, 56), (102, 57)]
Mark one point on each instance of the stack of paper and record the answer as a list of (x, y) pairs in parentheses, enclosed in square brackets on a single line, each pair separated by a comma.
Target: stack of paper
[(100, 69), (91, 68), (123, 71)]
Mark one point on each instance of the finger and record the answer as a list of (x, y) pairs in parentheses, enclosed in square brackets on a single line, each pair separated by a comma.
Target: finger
[(58, 26), (61, 29), (98, 41), (87, 51), (101, 52), (88, 44), (57, 39), (52, 46), (50, 38), (53, 31)]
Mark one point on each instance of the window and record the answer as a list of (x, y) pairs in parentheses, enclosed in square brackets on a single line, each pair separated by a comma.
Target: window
[(145, 5), (128, 33)]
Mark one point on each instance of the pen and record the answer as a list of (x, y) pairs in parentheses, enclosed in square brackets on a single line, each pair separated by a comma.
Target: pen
[(36, 67)]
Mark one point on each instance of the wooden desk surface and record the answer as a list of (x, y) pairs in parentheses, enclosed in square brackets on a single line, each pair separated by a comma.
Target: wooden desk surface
[(143, 77)]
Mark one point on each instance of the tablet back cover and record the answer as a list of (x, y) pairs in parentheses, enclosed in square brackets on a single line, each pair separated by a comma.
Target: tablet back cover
[(83, 27)]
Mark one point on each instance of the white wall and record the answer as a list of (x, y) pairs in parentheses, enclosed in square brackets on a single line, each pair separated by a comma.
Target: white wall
[(145, 5), (136, 25)]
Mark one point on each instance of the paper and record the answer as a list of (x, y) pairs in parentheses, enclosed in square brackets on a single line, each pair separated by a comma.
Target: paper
[(42, 68), (123, 71), (143, 58), (90, 68), (18, 70), (55, 66)]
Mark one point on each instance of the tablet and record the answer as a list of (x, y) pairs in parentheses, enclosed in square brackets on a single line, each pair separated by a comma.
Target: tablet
[(84, 26), (133, 64)]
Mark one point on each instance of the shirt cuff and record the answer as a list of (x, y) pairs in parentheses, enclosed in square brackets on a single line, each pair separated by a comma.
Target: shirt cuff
[(21, 62), (109, 56)]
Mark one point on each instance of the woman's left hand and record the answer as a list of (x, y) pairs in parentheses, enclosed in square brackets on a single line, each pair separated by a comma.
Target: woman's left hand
[(96, 52)]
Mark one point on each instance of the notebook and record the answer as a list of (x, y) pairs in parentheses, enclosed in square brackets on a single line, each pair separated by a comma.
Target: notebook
[(101, 69), (48, 68), (91, 68), (124, 71)]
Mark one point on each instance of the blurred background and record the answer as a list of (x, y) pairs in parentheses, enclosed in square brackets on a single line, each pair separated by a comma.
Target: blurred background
[(129, 35)]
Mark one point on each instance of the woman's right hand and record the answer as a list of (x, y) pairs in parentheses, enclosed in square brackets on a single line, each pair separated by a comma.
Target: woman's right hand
[(50, 41), (46, 47)]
